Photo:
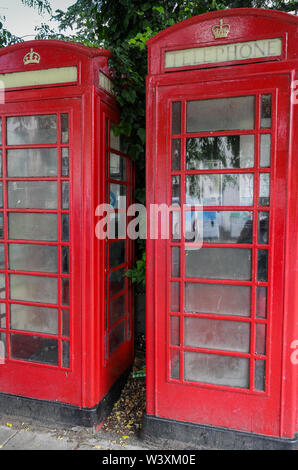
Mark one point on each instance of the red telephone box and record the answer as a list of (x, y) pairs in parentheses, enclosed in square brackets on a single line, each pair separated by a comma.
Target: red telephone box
[(66, 330), (222, 303)]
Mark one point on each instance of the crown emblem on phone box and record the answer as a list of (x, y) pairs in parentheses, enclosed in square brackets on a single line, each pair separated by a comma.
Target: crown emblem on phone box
[(220, 30), (31, 57)]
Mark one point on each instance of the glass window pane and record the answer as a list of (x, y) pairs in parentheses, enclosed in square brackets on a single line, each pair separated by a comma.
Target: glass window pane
[(176, 154), (221, 114), (32, 318), (176, 190), (175, 297), (213, 369), (64, 161), (64, 129), (65, 291), (219, 190), (2, 286), (30, 226), (32, 194), (65, 322), (217, 298), (117, 309), (114, 139), (175, 331), (2, 316), (261, 300), (2, 256), (1, 169), (1, 226), (263, 228), (65, 259), (260, 375), (34, 349), (1, 195), (218, 263), (266, 105), (176, 226), (65, 195), (117, 167), (264, 189), (218, 226), (32, 162), (117, 336), (235, 151), (117, 281), (265, 151), (65, 227), (118, 196), (260, 339), (175, 261), (0, 130), (263, 265), (176, 117), (117, 253), (41, 258), (26, 130), (217, 334), (175, 364), (2, 348), (65, 353), (34, 288)]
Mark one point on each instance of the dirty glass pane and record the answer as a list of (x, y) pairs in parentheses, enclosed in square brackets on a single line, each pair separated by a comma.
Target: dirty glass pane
[(65, 195), (65, 353), (1, 130), (114, 139), (34, 288), (118, 196), (2, 256), (266, 105), (175, 261), (117, 309), (263, 228), (65, 291), (175, 297), (263, 265), (220, 299), (65, 259), (2, 347), (32, 162), (40, 258), (117, 167), (214, 369), (265, 150), (218, 226), (176, 190), (32, 318), (117, 253), (176, 226), (26, 130), (176, 117), (175, 331), (65, 322), (260, 339), (32, 194), (116, 281), (2, 286), (218, 263), (64, 129), (2, 316), (65, 227), (260, 375), (235, 151), (31, 226), (264, 189), (1, 226), (221, 114), (117, 336), (175, 364), (176, 154), (217, 334), (261, 300), (34, 349), (64, 161), (219, 190)]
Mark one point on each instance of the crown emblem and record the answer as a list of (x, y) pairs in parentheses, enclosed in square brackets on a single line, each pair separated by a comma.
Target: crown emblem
[(220, 30), (31, 57)]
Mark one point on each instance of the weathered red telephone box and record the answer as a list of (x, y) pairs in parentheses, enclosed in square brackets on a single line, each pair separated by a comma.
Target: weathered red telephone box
[(222, 290), (66, 331)]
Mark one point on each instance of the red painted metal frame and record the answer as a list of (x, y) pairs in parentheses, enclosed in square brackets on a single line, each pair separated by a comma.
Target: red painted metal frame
[(272, 412), (88, 378)]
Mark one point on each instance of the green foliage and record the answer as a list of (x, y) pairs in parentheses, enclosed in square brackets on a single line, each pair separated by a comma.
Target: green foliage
[(138, 273)]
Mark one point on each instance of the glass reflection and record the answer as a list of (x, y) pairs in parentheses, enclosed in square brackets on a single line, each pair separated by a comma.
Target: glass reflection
[(26, 130)]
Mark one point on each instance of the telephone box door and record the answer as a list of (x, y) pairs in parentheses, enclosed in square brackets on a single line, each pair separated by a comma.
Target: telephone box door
[(222, 151), (40, 251)]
